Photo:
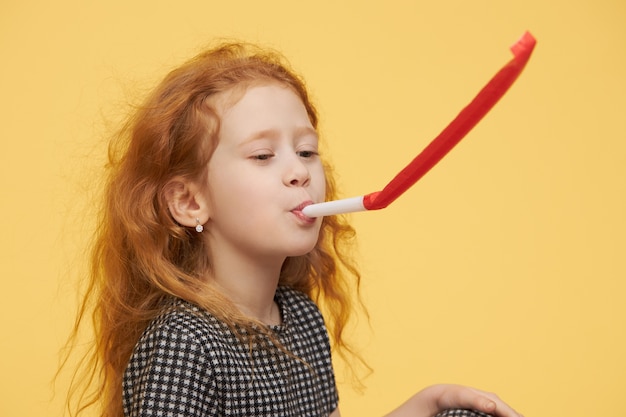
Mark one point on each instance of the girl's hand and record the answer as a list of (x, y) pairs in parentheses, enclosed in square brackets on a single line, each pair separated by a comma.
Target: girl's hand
[(437, 398), (456, 396)]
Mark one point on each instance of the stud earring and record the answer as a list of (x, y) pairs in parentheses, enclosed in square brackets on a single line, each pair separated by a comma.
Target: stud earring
[(199, 227)]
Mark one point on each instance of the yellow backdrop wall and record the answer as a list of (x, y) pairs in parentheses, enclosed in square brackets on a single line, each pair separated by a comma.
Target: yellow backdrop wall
[(504, 268)]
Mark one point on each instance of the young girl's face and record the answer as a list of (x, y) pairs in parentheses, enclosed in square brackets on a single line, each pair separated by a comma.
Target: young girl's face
[(264, 170)]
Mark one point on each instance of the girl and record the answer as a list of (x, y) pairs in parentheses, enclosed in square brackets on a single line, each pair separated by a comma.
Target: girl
[(204, 266)]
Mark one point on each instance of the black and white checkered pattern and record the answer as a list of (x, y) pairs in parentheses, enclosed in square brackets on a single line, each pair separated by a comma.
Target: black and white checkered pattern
[(188, 363), (461, 413)]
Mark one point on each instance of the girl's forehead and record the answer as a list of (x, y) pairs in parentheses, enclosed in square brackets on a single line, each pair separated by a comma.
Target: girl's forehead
[(225, 100), (264, 111)]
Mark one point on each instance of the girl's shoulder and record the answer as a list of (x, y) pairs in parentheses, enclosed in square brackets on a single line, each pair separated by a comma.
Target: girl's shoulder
[(181, 319), (184, 321)]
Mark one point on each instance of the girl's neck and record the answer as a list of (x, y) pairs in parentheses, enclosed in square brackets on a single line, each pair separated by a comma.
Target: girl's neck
[(251, 286)]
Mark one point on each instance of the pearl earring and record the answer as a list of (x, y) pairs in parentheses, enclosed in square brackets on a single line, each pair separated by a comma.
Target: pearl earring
[(199, 227)]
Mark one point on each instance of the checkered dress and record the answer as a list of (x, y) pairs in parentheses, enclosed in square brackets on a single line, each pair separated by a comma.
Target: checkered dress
[(188, 363), (461, 413)]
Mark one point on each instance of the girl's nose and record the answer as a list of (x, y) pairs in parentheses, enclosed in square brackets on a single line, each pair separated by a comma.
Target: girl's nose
[(297, 173)]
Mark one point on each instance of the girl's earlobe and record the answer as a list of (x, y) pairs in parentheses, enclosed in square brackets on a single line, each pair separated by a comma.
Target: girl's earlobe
[(199, 227)]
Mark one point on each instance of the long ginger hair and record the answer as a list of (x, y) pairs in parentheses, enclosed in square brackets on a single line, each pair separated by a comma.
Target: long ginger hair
[(141, 255)]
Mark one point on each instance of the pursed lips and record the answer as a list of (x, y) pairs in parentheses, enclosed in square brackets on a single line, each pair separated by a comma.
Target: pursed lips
[(297, 211)]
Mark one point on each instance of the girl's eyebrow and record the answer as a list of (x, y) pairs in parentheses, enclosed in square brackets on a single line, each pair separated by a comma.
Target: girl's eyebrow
[(273, 134)]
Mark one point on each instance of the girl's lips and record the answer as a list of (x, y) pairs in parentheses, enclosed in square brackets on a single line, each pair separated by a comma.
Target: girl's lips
[(297, 211)]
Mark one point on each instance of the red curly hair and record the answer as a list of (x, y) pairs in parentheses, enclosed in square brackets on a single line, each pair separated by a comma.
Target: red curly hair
[(141, 255)]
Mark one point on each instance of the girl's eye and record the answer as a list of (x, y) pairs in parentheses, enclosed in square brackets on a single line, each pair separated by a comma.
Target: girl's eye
[(262, 157), (307, 154)]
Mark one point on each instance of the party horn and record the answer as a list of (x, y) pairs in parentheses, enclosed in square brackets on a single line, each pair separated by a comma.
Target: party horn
[(442, 144)]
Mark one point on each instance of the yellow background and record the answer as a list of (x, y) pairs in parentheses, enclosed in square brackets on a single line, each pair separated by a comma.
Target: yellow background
[(504, 268)]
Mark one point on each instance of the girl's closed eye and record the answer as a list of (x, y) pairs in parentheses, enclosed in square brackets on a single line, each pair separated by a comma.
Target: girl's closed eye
[(262, 156), (307, 153)]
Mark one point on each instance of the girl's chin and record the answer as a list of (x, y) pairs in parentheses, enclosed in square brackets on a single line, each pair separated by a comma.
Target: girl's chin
[(301, 251)]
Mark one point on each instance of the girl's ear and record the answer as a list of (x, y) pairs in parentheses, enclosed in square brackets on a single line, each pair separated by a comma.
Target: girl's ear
[(187, 203)]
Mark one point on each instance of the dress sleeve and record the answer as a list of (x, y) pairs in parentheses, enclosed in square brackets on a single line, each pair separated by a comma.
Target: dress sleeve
[(169, 375)]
